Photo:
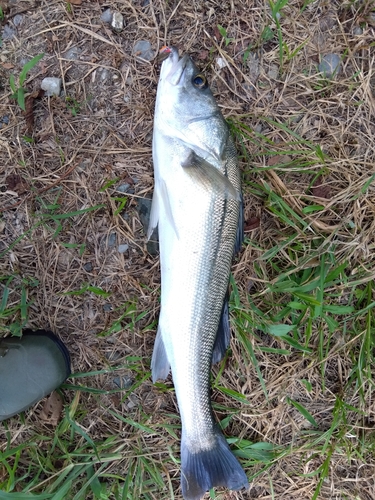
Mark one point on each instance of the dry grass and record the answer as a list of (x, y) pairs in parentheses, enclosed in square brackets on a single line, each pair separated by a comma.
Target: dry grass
[(304, 140)]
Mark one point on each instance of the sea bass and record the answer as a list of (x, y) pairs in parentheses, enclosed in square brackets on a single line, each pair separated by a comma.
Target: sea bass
[(197, 206)]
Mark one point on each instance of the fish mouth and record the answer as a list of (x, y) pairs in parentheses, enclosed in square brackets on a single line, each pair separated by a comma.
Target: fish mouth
[(173, 66)]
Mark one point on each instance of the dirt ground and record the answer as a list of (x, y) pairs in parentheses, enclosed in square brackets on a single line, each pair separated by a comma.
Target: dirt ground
[(75, 170)]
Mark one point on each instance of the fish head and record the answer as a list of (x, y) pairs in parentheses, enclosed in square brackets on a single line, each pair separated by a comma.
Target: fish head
[(186, 107)]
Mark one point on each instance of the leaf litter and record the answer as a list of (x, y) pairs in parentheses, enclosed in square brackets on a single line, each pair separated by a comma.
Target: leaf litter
[(307, 152)]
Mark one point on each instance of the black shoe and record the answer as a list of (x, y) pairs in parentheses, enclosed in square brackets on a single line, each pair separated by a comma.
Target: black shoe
[(31, 367)]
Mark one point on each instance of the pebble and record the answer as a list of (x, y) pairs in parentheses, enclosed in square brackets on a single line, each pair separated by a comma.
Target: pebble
[(273, 72), (330, 65), (117, 22), (123, 382), (252, 62), (88, 267), (144, 210), (72, 54), (107, 307), (8, 32), (17, 20), (112, 240), (221, 63), (358, 31), (106, 16), (123, 248), (143, 50), (123, 188), (51, 85)]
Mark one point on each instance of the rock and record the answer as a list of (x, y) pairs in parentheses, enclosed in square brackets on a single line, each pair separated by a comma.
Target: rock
[(117, 22), (17, 20), (106, 16), (221, 63), (252, 62), (143, 50), (8, 32), (144, 210), (273, 72), (357, 31), (123, 248), (88, 267), (123, 188), (107, 307), (51, 85), (123, 382), (103, 74), (330, 65), (112, 240), (72, 54)]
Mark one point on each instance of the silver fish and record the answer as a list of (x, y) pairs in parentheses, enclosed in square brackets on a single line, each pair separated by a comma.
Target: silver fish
[(197, 206)]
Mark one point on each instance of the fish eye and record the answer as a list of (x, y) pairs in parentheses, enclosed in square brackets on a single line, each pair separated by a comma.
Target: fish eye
[(200, 81)]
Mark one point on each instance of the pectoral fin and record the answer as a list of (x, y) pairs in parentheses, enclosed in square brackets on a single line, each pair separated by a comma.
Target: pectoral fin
[(210, 177), (160, 200)]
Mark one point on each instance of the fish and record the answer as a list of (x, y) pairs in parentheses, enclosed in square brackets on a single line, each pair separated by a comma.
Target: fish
[(197, 208)]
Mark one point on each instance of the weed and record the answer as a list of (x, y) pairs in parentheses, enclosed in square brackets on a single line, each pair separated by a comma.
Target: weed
[(223, 33), (19, 91)]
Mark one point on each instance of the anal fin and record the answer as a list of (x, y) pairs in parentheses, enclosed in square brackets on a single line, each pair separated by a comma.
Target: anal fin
[(223, 333), (160, 366)]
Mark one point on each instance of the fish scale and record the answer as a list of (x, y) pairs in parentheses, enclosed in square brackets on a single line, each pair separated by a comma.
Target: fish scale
[(197, 206)]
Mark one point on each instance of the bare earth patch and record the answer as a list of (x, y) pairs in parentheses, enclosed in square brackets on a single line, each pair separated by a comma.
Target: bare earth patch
[(74, 172)]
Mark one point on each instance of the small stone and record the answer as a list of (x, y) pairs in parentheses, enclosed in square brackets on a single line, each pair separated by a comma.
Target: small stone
[(125, 216), (103, 74), (123, 382), (252, 62), (106, 16), (143, 50), (17, 20), (107, 307), (117, 22), (145, 3), (123, 248), (358, 31), (112, 240), (8, 32), (273, 72), (144, 210), (330, 65), (5, 119), (88, 267), (127, 97), (152, 245), (72, 54), (258, 128), (221, 63), (123, 188), (51, 85)]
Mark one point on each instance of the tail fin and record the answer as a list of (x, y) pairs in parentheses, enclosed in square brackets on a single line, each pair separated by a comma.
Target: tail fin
[(202, 470)]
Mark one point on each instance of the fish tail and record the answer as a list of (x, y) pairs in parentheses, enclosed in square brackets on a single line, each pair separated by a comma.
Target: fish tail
[(204, 469)]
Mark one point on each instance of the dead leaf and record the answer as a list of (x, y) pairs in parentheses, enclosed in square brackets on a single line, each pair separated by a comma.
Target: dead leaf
[(217, 34), (252, 223), (75, 2), (320, 189), (203, 54), (52, 409), (7, 65), (16, 184), (29, 109)]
